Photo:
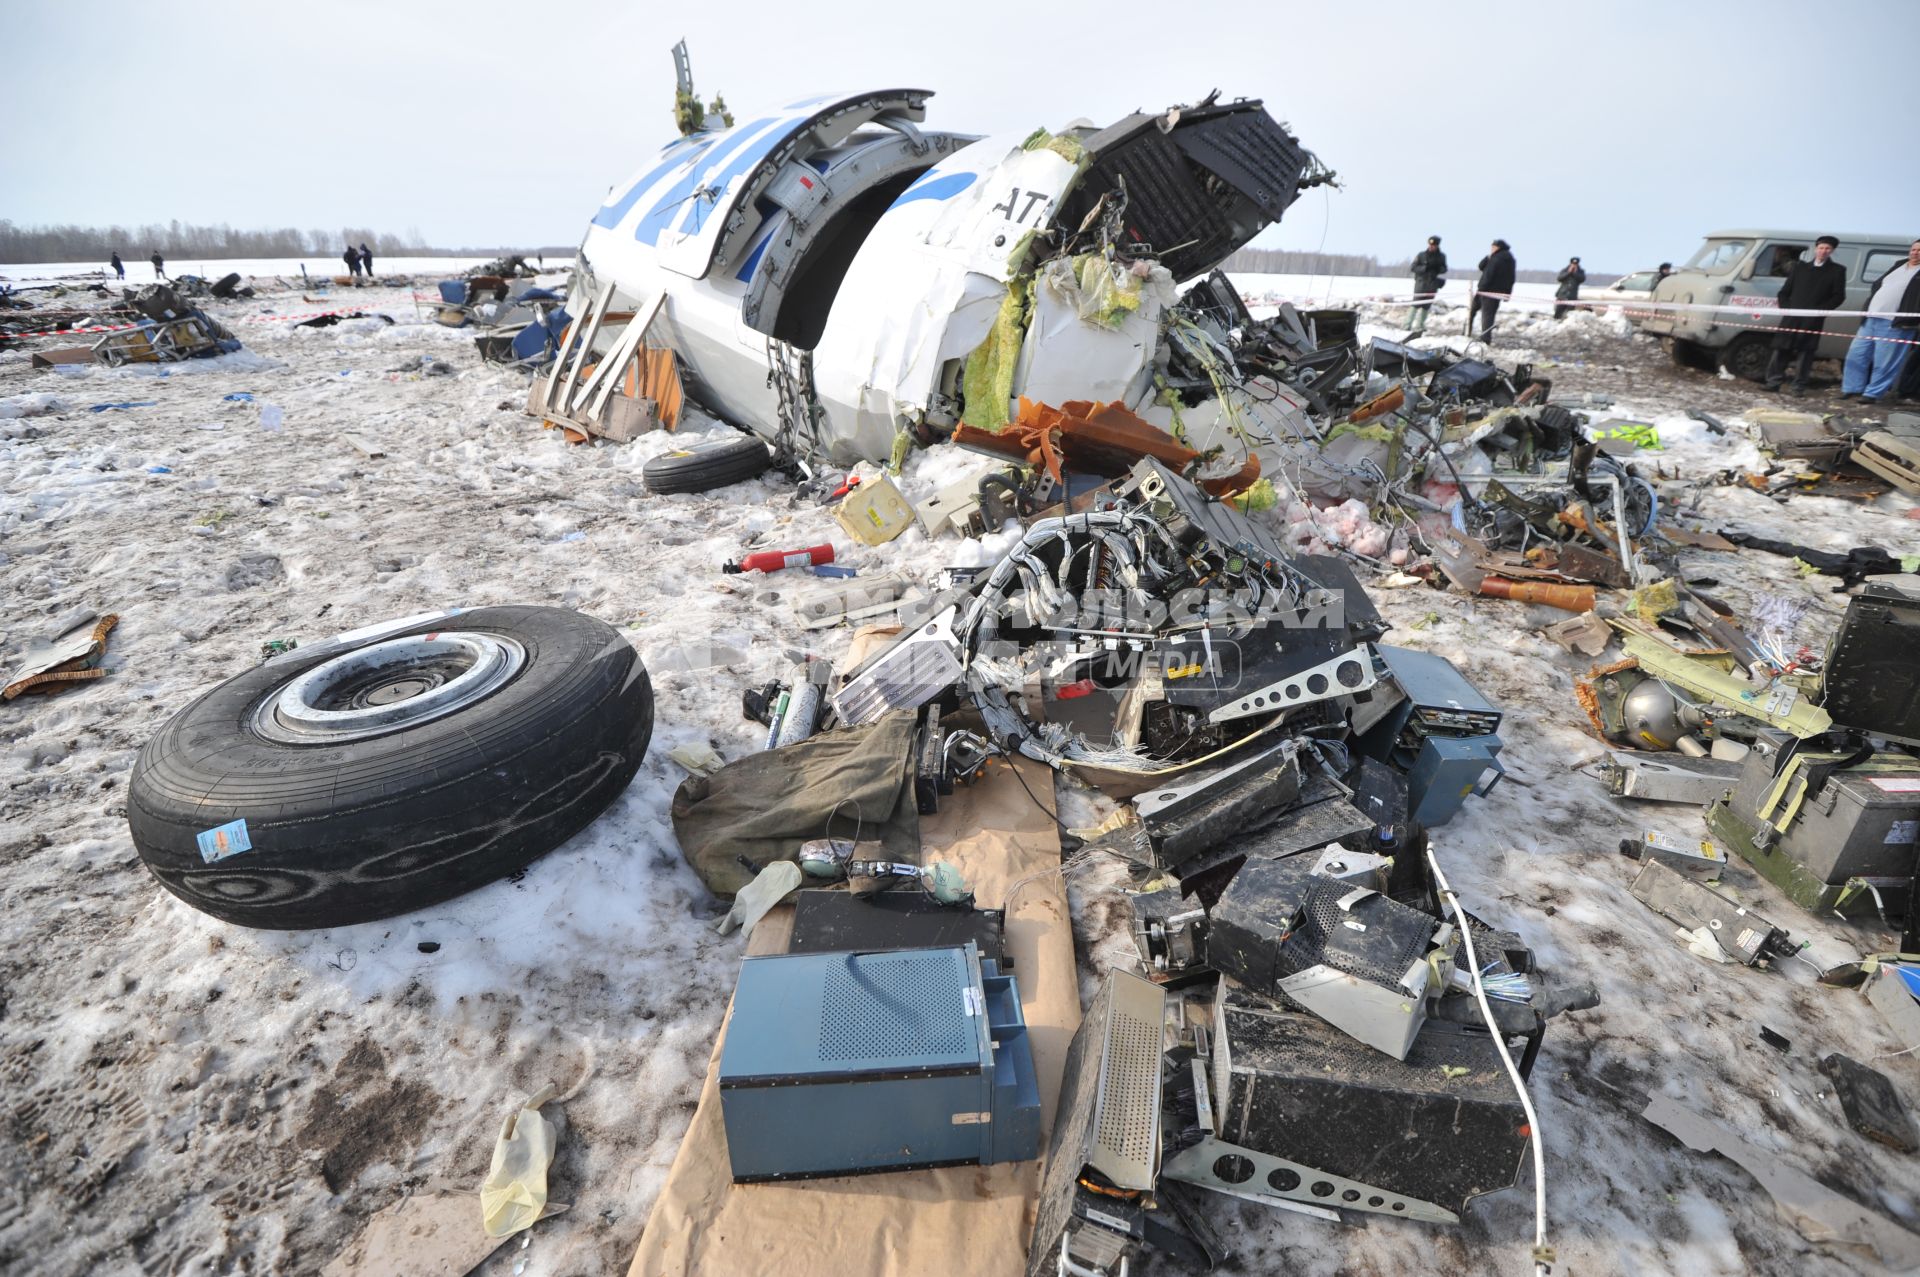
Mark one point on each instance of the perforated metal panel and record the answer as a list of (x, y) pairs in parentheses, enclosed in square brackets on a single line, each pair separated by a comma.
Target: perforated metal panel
[(1096, 1120), (834, 1015), (1132, 1089), (1394, 938), (1126, 1131), (883, 1006)]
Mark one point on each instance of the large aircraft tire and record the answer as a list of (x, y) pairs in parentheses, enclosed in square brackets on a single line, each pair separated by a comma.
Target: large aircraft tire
[(704, 467), (370, 777)]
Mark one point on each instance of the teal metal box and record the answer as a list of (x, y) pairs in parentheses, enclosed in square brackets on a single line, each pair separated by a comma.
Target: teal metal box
[(848, 1063)]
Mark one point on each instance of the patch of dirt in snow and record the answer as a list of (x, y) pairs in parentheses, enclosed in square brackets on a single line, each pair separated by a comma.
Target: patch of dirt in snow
[(184, 1096)]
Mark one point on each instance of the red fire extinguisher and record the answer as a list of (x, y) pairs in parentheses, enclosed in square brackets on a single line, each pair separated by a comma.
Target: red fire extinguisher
[(774, 560)]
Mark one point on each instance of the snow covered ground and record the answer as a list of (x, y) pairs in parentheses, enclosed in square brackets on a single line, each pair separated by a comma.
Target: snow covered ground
[(184, 1096), (140, 270)]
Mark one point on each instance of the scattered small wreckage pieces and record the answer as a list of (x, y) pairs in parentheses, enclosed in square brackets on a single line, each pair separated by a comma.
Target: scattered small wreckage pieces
[(1631, 702), (358, 778), (329, 320), (1871, 1103), (65, 355), (1693, 781), (1263, 1096), (1463, 560), (1713, 925), (1833, 818), (429, 1234), (1586, 634), (875, 513), (618, 395), (1095, 438), (508, 266), (228, 287), (170, 330), (1820, 1214), (1894, 452), (1697, 858), (73, 657)]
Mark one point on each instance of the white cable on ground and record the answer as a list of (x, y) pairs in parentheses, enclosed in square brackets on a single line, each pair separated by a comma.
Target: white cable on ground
[(1542, 1254)]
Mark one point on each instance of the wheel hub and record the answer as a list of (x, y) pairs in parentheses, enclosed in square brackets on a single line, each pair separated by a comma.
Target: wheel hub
[(385, 687)]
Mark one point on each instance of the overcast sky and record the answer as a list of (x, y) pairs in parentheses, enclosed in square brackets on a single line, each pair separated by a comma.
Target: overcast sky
[(1617, 131)]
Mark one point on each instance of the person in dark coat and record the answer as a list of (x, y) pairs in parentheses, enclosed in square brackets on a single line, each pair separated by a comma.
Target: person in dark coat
[(1820, 284), (1429, 277), (352, 258), (1666, 269), (1571, 276), (119, 268), (366, 260), (1496, 278), (159, 265)]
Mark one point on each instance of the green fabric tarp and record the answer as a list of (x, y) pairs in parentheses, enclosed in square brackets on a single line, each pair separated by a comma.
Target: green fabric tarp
[(850, 783)]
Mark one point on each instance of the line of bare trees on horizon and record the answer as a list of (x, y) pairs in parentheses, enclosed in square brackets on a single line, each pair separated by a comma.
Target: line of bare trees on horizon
[(185, 241)]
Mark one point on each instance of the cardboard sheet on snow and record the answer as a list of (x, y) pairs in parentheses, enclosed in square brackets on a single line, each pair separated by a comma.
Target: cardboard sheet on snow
[(913, 1222)]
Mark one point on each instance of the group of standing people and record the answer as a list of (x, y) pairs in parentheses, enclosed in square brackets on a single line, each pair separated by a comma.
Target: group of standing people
[(1888, 333), (120, 267), (1888, 329), (1494, 286), (358, 260)]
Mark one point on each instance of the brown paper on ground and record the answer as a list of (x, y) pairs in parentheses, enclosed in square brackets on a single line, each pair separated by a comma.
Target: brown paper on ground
[(972, 1219)]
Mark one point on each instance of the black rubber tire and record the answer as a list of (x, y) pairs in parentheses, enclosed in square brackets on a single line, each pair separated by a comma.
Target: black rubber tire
[(354, 831), (706, 466), (1746, 356), (1691, 354)]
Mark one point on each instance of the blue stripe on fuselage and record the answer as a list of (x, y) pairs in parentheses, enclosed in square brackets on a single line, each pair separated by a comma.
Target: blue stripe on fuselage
[(933, 185), (748, 140), (747, 159), (609, 216)]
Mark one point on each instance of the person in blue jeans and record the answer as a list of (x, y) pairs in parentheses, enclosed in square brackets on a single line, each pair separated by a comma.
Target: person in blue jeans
[(1887, 333)]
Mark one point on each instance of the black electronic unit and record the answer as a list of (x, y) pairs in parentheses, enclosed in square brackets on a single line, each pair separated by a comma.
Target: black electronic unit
[(830, 921), (1872, 679), (1321, 816), (1442, 1126)]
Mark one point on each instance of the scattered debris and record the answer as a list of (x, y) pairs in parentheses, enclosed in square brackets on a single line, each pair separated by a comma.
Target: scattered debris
[(1820, 1214), (73, 657), (1871, 1102), (1706, 915)]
